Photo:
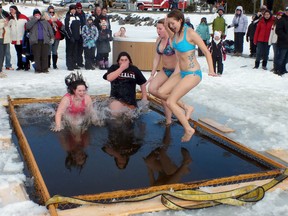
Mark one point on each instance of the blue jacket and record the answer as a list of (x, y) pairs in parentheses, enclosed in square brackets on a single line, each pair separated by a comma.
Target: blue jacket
[(203, 31)]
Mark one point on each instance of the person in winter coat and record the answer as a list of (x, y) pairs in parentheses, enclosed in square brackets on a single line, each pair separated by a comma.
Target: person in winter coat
[(103, 45), (273, 38), (203, 31), (282, 44), (250, 37), (261, 38), (90, 36), (240, 23), (218, 51), (219, 23), (57, 26), (73, 29), (17, 22), (105, 17), (40, 37), (4, 39), (81, 14)]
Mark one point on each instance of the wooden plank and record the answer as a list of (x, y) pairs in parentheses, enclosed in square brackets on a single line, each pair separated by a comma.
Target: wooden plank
[(152, 205), (279, 153), (216, 125)]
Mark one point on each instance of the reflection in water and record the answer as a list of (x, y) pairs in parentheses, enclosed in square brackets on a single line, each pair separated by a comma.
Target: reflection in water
[(74, 142), (125, 137), (159, 162)]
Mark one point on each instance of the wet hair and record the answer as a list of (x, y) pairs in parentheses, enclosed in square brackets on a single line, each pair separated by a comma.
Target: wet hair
[(177, 15), (72, 161), (73, 80), (124, 54)]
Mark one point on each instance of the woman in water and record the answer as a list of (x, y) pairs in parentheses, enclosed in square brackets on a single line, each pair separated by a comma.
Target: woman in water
[(76, 105), (123, 77), (166, 55), (184, 41)]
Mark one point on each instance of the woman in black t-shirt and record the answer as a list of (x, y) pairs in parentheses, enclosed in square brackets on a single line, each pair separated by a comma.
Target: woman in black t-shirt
[(123, 77)]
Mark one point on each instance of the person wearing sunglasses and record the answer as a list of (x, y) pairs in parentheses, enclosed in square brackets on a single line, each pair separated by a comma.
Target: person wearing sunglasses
[(57, 27)]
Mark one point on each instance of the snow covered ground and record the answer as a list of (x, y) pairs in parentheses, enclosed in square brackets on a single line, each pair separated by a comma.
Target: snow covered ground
[(254, 102)]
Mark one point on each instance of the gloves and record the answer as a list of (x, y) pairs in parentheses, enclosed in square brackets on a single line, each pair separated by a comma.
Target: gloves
[(229, 26), (72, 40)]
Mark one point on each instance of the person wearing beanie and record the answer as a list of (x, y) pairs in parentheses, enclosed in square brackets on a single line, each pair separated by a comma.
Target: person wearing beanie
[(218, 52), (282, 44), (81, 14), (17, 22), (40, 37), (250, 37), (90, 36), (73, 29), (219, 23), (240, 24)]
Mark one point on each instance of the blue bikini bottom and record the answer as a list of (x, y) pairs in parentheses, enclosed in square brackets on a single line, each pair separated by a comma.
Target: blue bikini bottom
[(195, 73)]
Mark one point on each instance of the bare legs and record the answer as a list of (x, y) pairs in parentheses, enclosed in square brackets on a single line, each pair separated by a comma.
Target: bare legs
[(173, 90), (153, 88)]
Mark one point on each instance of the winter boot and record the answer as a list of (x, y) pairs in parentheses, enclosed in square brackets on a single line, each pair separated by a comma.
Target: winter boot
[(106, 64), (102, 65), (256, 65), (54, 59), (264, 65), (49, 61)]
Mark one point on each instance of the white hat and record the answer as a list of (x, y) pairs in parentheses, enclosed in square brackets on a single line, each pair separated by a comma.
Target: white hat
[(217, 33)]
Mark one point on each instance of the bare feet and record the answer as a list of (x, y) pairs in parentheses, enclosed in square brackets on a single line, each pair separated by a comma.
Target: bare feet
[(187, 135), (188, 111)]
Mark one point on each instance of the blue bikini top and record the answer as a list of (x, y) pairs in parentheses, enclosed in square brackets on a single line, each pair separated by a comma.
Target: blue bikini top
[(183, 45), (168, 50)]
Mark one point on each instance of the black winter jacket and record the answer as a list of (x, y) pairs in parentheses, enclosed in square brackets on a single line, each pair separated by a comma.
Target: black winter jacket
[(282, 31)]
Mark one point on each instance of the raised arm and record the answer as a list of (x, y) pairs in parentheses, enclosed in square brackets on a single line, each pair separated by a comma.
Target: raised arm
[(170, 33)]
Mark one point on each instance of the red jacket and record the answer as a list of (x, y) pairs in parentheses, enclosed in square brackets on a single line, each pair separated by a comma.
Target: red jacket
[(56, 26), (263, 30)]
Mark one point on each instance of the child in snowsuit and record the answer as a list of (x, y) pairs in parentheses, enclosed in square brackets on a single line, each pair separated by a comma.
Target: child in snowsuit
[(250, 36), (103, 45), (217, 50), (90, 36)]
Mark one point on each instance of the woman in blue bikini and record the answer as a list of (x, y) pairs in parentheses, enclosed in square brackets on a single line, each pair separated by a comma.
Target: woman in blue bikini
[(166, 55), (184, 40)]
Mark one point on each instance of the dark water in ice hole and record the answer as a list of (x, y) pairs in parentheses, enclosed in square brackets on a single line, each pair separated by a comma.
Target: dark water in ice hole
[(123, 156)]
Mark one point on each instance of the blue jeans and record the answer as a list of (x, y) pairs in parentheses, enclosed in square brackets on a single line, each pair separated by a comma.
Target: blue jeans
[(54, 47), (281, 60), (262, 51), (8, 57)]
